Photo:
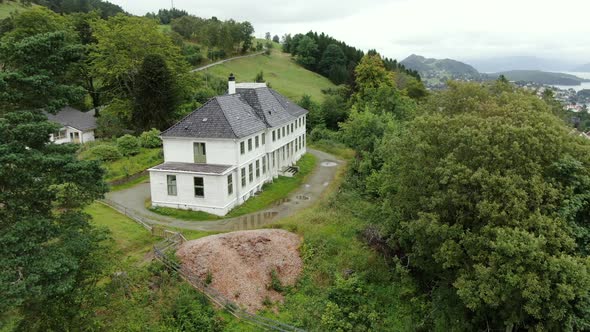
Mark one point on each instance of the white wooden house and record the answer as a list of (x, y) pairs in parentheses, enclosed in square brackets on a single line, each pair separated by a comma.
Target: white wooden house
[(77, 126), (221, 154)]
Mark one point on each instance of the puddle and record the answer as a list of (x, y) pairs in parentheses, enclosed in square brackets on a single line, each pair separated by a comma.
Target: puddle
[(307, 185), (302, 197), (282, 201), (329, 164), (253, 221), (325, 184)]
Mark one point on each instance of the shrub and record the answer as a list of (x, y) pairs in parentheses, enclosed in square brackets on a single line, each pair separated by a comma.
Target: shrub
[(104, 152), (128, 145), (150, 139)]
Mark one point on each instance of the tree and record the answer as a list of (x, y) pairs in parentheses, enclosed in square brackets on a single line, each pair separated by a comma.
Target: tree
[(155, 97), (38, 55), (276, 39), (51, 256), (267, 36), (486, 199), (259, 77), (123, 42), (307, 52), (333, 64)]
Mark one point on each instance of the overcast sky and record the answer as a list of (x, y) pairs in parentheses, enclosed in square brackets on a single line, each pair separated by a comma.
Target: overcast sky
[(460, 29)]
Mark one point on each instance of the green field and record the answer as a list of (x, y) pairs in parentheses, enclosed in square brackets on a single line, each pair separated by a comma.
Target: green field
[(8, 7), (281, 73)]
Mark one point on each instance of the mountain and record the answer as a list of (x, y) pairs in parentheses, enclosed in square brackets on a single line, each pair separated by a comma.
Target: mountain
[(540, 77), (508, 63), (436, 71), (582, 68)]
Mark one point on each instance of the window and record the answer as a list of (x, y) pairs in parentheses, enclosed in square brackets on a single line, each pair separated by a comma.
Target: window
[(199, 186), (296, 123), (291, 127), (283, 131), (287, 129), (60, 134), (257, 168), (279, 133), (250, 173), (171, 181), (243, 176), (303, 140), (300, 141), (230, 184), (200, 152), (274, 136), (242, 147), (256, 142), (296, 145), (288, 149), (283, 152), (249, 144), (274, 159), (263, 165), (263, 138)]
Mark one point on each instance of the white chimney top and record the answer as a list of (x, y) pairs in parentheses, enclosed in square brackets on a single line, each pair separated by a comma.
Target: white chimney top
[(231, 84)]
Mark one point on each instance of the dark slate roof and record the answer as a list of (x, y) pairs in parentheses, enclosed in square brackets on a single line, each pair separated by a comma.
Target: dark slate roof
[(74, 118), (248, 111), (191, 167), (290, 106), (266, 105), (221, 117)]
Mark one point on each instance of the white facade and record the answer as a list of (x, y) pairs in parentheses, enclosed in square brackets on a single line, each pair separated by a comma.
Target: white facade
[(69, 134), (250, 162)]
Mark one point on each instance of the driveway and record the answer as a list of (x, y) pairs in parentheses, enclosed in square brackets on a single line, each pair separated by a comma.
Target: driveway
[(132, 201)]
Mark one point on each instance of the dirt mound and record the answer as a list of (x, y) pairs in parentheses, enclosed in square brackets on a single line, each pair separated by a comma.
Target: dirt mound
[(240, 264)]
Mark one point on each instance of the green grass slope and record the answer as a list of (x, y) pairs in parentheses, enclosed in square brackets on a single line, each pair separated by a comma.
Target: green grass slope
[(8, 7), (280, 71)]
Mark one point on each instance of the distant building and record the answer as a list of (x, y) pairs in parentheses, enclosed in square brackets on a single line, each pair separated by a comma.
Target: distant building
[(221, 154), (77, 126)]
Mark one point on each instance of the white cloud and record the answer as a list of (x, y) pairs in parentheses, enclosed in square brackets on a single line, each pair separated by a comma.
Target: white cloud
[(460, 29)]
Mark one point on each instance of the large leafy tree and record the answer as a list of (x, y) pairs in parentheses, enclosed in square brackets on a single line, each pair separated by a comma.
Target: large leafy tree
[(487, 198), (155, 97), (307, 50), (122, 44), (49, 253)]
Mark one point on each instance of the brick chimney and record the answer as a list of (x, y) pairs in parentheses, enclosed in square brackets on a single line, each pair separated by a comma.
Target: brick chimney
[(231, 84)]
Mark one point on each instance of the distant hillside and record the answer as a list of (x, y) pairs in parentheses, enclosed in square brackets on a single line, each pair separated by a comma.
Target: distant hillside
[(541, 77), (436, 71), (8, 7), (583, 68), (280, 71), (508, 63)]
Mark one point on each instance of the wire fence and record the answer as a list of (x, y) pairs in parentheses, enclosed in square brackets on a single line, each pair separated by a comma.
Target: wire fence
[(167, 246)]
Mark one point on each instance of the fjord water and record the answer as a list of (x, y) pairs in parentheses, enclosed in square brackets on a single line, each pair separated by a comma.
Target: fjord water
[(584, 85)]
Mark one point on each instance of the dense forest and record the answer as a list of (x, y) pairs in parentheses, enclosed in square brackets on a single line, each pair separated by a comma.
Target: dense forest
[(459, 210)]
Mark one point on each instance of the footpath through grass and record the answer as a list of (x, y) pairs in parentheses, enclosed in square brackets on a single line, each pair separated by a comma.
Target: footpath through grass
[(271, 193)]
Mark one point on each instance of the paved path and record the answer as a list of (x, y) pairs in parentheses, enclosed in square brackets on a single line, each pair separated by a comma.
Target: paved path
[(133, 201), (226, 60)]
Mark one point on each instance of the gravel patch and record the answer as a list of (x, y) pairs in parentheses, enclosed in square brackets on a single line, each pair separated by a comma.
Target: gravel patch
[(239, 264)]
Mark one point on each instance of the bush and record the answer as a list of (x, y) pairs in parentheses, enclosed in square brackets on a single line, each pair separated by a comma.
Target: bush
[(104, 152), (128, 145), (150, 139)]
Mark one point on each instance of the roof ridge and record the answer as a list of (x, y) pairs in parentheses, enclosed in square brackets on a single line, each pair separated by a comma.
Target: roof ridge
[(225, 115), (191, 113)]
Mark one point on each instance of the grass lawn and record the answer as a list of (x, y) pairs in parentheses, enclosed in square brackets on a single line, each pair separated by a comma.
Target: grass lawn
[(8, 7), (132, 183), (280, 71), (127, 166), (132, 241), (278, 189), (271, 192)]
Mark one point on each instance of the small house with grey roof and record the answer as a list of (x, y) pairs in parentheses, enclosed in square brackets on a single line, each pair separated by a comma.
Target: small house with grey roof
[(76, 126), (224, 152)]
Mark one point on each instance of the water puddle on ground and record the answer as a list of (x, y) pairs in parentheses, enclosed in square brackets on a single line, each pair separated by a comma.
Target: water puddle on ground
[(329, 163), (253, 221)]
